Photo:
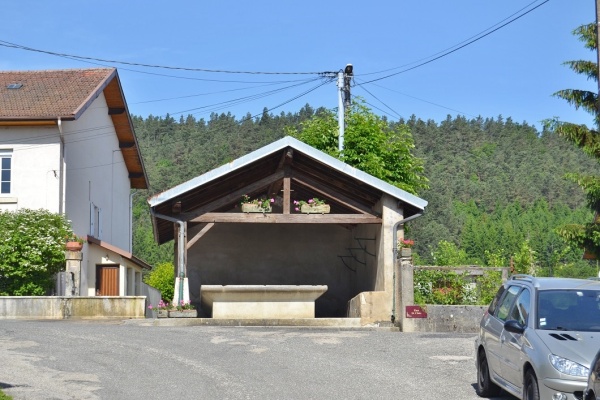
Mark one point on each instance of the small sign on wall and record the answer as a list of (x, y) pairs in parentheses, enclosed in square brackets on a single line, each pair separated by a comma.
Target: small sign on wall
[(415, 312)]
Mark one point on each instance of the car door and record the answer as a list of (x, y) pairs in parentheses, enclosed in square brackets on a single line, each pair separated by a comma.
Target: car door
[(494, 327), (511, 344)]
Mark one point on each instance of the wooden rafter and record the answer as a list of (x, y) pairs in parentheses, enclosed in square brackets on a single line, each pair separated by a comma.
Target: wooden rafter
[(198, 235), (328, 192), (268, 218), (231, 197), (286, 159)]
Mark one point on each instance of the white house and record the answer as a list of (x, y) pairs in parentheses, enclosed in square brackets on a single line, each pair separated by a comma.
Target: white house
[(67, 145)]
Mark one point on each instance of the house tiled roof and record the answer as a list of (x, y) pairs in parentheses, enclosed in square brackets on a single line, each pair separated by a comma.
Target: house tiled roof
[(50, 94), (30, 98)]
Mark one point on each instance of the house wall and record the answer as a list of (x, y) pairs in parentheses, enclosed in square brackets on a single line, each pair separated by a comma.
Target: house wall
[(35, 168), (130, 275), (96, 176), (97, 184), (275, 254)]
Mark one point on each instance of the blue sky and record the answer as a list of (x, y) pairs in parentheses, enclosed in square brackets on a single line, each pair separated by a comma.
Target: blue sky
[(511, 72)]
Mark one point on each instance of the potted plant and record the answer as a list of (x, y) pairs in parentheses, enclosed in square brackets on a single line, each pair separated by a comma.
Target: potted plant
[(162, 309), (406, 247), (74, 243), (261, 204), (183, 309), (312, 206)]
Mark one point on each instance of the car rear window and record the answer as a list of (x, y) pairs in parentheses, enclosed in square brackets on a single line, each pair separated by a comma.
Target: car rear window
[(494, 303), (506, 302)]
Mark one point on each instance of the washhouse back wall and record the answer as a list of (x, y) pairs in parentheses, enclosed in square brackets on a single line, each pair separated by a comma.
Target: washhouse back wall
[(283, 254)]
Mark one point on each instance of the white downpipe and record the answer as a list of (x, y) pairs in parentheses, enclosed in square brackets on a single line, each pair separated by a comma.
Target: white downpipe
[(62, 170)]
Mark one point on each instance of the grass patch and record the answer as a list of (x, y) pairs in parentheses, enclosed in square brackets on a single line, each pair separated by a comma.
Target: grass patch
[(4, 396)]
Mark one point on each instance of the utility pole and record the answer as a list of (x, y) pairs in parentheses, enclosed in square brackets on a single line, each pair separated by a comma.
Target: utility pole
[(344, 101)]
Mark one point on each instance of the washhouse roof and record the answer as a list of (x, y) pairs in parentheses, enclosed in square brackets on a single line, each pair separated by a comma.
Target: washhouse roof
[(312, 173)]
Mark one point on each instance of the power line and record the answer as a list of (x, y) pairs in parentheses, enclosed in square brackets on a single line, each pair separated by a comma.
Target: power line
[(172, 76), (112, 128), (444, 54), (388, 107), (416, 98), (244, 99), (218, 92), (292, 99), (22, 47)]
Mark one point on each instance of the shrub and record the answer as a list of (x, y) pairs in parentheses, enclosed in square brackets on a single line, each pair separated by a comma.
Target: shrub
[(31, 251), (162, 277), (449, 288)]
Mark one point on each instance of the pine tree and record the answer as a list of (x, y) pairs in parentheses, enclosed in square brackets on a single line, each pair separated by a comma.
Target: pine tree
[(583, 235)]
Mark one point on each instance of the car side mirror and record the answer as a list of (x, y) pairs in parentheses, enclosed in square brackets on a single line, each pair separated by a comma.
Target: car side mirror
[(514, 326)]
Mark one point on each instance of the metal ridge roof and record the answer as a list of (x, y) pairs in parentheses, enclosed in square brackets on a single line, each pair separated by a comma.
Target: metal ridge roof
[(280, 144)]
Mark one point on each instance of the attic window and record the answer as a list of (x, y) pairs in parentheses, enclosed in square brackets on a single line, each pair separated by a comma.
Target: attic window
[(14, 86)]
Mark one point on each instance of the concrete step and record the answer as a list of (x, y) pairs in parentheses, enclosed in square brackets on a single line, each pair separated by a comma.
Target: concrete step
[(339, 323)]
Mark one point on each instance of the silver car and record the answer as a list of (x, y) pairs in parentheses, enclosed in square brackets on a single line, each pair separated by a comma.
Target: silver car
[(538, 338), (593, 387)]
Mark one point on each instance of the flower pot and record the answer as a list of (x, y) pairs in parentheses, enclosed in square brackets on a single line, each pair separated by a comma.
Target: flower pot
[(406, 252), (255, 208), (74, 246), (162, 314), (183, 314), (315, 209)]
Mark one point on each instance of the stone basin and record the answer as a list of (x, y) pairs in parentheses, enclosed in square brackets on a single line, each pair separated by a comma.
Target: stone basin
[(261, 301)]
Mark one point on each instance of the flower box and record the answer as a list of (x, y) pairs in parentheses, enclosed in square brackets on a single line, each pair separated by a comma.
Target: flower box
[(315, 209), (406, 252), (255, 208), (74, 246), (183, 314), (162, 314)]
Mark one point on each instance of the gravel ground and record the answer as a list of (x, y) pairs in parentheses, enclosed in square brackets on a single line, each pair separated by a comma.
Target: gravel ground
[(133, 360)]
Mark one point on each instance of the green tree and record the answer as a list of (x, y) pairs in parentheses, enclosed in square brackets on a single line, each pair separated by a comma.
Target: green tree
[(371, 144), (583, 235), (31, 251), (448, 253), (162, 277)]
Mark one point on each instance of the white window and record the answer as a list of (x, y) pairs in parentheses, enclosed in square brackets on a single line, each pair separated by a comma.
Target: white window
[(5, 171)]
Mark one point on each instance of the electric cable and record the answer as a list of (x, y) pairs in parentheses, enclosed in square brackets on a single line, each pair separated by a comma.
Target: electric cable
[(22, 47), (417, 98), (457, 48)]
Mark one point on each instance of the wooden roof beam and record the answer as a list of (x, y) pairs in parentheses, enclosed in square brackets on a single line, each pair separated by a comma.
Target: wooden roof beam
[(286, 159), (334, 195), (269, 218), (197, 237), (231, 197)]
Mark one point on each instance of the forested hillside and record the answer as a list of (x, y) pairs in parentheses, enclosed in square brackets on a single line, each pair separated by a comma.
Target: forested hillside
[(496, 187)]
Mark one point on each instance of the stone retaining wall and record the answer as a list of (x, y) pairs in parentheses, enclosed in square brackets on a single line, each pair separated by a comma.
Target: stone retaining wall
[(59, 307), (447, 319)]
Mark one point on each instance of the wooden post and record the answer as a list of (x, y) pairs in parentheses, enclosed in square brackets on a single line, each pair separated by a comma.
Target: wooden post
[(286, 193)]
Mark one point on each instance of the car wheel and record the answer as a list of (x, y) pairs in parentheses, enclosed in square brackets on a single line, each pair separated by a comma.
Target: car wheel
[(485, 386), (530, 389)]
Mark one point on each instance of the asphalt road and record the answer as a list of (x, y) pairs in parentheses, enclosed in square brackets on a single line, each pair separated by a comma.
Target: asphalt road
[(131, 360)]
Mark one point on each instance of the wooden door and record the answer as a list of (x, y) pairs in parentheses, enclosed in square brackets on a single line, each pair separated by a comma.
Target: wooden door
[(107, 280)]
